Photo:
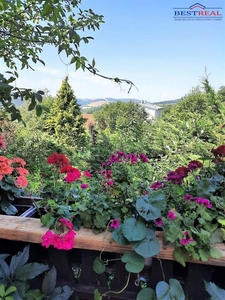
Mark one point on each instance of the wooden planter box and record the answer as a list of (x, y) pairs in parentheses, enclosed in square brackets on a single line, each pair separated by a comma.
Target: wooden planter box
[(86, 249)]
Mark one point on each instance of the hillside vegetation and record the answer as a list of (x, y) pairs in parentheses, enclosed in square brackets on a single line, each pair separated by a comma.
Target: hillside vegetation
[(186, 130)]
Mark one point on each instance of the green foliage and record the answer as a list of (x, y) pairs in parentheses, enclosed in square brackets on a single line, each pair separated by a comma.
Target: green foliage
[(15, 280), (214, 291), (50, 290), (134, 263), (5, 293), (147, 247), (134, 230), (124, 124), (146, 294), (27, 26), (173, 290), (150, 205), (99, 152), (99, 266), (19, 272), (164, 291)]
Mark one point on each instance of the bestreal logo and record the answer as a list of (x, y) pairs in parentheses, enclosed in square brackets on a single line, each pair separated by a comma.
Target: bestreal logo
[(197, 11)]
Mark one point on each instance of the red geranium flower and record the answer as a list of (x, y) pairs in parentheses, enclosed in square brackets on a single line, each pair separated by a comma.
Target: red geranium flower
[(58, 159), (194, 164), (219, 151), (182, 171), (66, 169), (73, 175)]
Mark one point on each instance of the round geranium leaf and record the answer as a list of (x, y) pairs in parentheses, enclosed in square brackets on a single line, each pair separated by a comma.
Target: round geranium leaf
[(149, 246), (119, 238), (134, 230), (173, 290), (99, 266), (146, 294), (149, 206), (162, 290), (134, 262)]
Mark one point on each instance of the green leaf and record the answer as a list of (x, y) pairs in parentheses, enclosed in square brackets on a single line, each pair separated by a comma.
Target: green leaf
[(2, 290), (47, 220), (179, 256), (34, 295), (147, 247), (99, 266), (4, 256), (173, 290), (38, 110), (97, 295), (49, 281), (211, 228), (73, 60), (221, 221), (214, 291), (19, 260), (215, 253), (134, 230), (146, 294), (204, 255), (149, 206), (134, 262), (10, 290), (47, 8), (30, 271), (217, 236), (119, 238), (9, 298), (4, 270)]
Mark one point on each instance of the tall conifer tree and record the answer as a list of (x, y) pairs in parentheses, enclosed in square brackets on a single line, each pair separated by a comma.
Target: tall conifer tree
[(65, 120)]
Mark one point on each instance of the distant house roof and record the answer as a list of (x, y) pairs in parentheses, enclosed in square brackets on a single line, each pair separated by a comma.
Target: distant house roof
[(89, 119), (150, 106)]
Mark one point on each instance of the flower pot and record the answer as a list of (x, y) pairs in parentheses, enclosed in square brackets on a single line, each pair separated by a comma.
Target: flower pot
[(26, 200), (25, 210)]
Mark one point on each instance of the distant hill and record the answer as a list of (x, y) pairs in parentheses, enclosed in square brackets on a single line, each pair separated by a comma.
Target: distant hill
[(91, 103)]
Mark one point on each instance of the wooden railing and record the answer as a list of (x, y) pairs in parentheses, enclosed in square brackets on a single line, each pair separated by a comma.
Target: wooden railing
[(74, 267)]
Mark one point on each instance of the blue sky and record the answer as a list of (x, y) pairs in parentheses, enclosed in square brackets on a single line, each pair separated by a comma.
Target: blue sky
[(140, 41)]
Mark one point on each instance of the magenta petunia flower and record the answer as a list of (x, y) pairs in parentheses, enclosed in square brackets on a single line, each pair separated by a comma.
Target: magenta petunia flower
[(187, 239), (115, 223), (159, 222), (87, 174), (84, 185), (171, 215)]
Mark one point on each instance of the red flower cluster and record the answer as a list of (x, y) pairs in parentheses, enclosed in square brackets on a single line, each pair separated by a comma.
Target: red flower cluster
[(58, 159), (15, 168), (63, 240), (219, 151), (180, 173), (73, 175), (62, 165)]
